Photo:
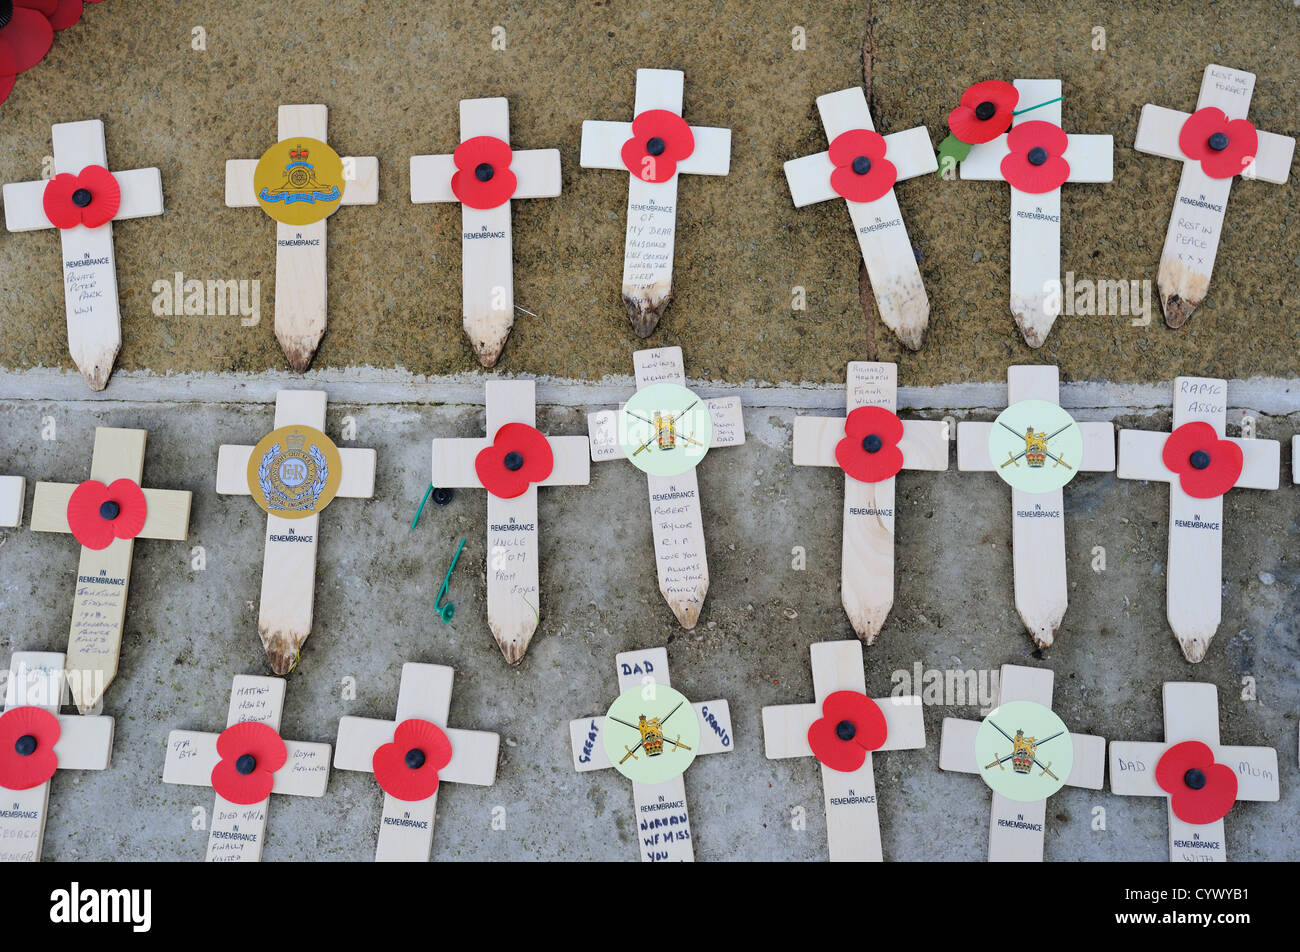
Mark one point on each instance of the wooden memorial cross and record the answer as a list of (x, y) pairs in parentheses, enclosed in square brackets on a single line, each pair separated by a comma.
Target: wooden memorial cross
[(411, 756), (1200, 778), (300, 275), (1043, 159), (1215, 144), (1200, 465), (1037, 519), (662, 822), (515, 459), (675, 515), (653, 148), (874, 444), (245, 764), (289, 567), (1015, 827), (492, 176), (82, 200), (13, 493), (842, 736), (106, 514), (35, 740), (861, 167)]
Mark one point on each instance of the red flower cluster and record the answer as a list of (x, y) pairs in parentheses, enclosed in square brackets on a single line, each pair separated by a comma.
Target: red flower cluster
[(27, 739), (27, 33), (1200, 791), (91, 198), (869, 451), (851, 724), (1206, 465), (1034, 163), (408, 767), (251, 753), (483, 178), (862, 173), (519, 456), (660, 139), (98, 514), (985, 111), (1224, 147)]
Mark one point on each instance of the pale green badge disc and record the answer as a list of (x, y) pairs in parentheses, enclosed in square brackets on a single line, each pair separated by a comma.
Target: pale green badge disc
[(1024, 751), (651, 733), (665, 429), (1035, 446)]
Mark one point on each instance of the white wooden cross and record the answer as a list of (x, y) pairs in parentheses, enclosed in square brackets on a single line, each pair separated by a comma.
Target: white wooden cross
[(300, 277), (675, 516), (1295, 466), (289, 566), (662, 825), (104, 575), (37, 679), (89, 269), (882, 236), (1036, 218), (1015, 827), (1037, 519), (406, 826), (238, 831), (1194, 577), (651, 205), (852, 811), (867, 557), (1196, 224), (513, 588), (487, 265), (1192, 714), (13, 493)]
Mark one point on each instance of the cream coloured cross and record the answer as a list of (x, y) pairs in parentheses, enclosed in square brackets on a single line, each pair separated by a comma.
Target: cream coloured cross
[(13, 492)]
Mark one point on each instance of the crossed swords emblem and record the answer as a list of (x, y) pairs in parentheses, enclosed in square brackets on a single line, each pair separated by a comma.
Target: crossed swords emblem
[(1021, 742), (1033, 440), (665, 430), (656, 728)]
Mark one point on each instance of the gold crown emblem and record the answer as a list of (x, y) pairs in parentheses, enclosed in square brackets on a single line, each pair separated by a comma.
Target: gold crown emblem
[(295, 441)]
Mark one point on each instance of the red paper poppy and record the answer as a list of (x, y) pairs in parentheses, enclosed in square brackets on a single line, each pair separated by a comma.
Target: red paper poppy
[(408, 767), (985, 111), (1223, 146), (1206, 465), (862, 173), (1035, 162), (27, 739), (1200, 791), (483, 178), (519, 455), (869, 451), (66, 12), (851, 724), (251, 753), (98, 514), (27, 37), (91, 198), (660, 139)]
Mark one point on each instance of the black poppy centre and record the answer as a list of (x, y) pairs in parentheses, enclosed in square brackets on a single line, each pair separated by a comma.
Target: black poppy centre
[(514, 461), (484, 171), (1194, 778), (1199, 460), (25, 746), (82, 197), (109, 510), (245, 765), (862, 165), (1219, 141), (1037, 155), (872, 443), (655, 146), (415, 758), (846, 730)]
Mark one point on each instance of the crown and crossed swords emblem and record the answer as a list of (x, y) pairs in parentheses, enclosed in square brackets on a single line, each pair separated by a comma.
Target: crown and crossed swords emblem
[(1024, 753), (665, 431), (652, 734), (1035, 452)]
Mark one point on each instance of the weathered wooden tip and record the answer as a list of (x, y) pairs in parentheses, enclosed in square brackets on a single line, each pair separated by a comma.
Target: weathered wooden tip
[(913, 337), (513, 647), (868, 621), (96, 371), (1194, 648), (1177, 309), (687, 610), (89, 702), (1043, 637), (1031, 330), (299, 349), (644, 313), (488, 337), (282, 650)]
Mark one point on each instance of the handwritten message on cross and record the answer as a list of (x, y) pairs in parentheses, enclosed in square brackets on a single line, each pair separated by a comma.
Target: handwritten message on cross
[(1215, 144), (82, 201), (861, 167), (654, 149), (485, 175)]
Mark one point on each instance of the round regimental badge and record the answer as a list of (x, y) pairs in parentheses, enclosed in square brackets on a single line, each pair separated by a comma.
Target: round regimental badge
[(1024, 751), (1035, 446), (299, 181), (294, 472), (651, 733), (665, 429)]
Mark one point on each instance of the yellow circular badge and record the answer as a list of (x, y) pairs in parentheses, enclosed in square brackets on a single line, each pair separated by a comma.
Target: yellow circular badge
[(294, 472), (299, 181)]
